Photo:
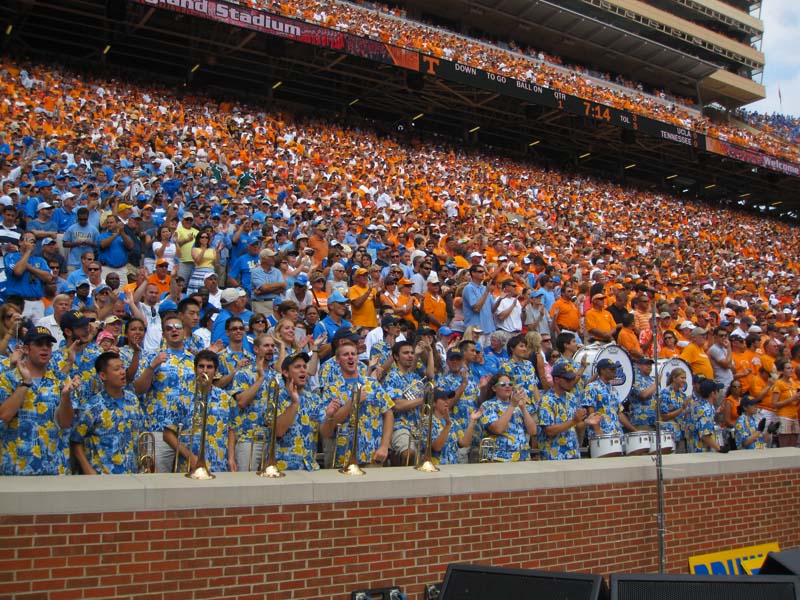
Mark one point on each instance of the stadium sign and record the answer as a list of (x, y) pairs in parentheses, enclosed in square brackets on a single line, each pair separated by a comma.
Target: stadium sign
[(263, 22)]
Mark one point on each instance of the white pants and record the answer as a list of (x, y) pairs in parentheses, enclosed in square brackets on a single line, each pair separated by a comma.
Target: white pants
[(243, 455)]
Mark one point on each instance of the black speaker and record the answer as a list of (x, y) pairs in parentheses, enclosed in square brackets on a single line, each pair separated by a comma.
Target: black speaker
[(476, 582), (704, 587), (781, 563)]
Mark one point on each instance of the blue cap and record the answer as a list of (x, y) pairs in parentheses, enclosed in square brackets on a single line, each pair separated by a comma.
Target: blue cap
[(167, 306), (302, 279), (445, 330), (537, 293), (337, 297), (606, 363)]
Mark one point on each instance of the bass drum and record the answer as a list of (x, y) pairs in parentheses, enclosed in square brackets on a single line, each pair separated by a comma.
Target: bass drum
[(665, 366), (623, 380)]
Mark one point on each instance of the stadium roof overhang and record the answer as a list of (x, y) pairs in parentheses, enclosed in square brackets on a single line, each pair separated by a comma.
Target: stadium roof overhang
[(551, 27), (197, 54)]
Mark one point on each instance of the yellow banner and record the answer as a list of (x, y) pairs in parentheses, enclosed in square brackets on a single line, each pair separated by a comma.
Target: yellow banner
[(740, 561)]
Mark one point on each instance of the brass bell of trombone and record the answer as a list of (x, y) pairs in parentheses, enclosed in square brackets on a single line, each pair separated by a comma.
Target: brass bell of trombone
[(426, 414), (269, 462), (351, 466)]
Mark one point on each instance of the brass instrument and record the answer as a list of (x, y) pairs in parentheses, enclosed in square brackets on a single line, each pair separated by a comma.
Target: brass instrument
[(200, 422), (146, 452), (351, 458), (487, 449), (258, 437), (269, 464), (426, 414), (413, 390)]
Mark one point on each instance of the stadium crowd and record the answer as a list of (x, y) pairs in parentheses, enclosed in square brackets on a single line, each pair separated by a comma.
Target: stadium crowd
[(785, 127), (148, 239), (391, 26)]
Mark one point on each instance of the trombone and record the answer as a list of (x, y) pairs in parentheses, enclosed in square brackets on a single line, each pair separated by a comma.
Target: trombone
[(269, 464), (412, 392), (146, 452), (200, 422), (487, 449), (257, 437), (426, 414), (351, 466)]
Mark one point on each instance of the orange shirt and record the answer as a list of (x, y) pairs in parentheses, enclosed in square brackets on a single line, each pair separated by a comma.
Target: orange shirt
[(600, 320), (628, 340), (436, 307), (757, 386), (565, 314), (741, 364), (785, 390), (698, 360), (365, 315), (163, 286)]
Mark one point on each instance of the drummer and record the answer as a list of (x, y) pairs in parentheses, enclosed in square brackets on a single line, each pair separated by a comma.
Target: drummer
[(749, 431), (673, 403), (700, 433), (600, 398), (642, 396)]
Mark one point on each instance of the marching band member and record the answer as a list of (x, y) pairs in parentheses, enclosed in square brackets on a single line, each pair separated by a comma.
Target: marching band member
[(562, 420), (446, 440), (749, 431), (252, 396), (511, 428), (401, 378), (700, 435), (600, 398), (221, 411), (106, 433), (163, 381), (673, 404), (297, 430), (36, 412), (642, 398), (375, 416)]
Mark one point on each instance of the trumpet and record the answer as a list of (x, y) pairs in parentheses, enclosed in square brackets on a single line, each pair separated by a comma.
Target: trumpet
[(426, 414), (351, 458), (199, 423), (414, 389), (487, 449), (269, 464), (146, 452)]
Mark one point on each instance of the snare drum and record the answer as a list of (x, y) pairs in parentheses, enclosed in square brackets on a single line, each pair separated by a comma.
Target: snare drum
[(605, 446), (667, 442), (623, 380), (665, 366), (637, 442)]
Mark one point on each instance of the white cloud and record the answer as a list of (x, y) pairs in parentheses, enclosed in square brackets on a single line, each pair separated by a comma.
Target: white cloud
[(781, 34)]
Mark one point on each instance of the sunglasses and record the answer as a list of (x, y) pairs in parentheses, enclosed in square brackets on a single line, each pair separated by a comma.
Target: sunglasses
[(237, 328), (92, 269), (173, 327), (257, 321), (504, 384)]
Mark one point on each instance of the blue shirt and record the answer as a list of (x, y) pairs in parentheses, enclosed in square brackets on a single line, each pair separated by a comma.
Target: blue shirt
[(484, 318), (242, 269), (86, 236), (554, 410), (27, 285), (259, 277), (115, 255)]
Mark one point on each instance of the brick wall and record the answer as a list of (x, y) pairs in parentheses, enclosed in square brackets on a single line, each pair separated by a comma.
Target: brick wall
[(327, 550)]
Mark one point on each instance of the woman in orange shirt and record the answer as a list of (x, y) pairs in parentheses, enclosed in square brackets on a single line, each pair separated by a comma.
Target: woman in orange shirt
[(785, 399)]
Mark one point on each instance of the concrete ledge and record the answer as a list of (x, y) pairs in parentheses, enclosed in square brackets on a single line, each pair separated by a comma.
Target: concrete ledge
[(79, 494)]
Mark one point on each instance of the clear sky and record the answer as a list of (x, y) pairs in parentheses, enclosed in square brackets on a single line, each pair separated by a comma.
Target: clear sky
[(781, 46)]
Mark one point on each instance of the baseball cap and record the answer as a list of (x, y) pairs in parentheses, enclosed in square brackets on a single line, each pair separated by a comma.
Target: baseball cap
[(606, 363), (707, 386), (337, 297), (231, 295), (454, 354), (39, 333), (72, 319), (292, 358), (564, 370)]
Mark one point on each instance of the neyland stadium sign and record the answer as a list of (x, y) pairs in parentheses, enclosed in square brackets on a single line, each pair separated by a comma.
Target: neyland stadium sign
[(235, 15)]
